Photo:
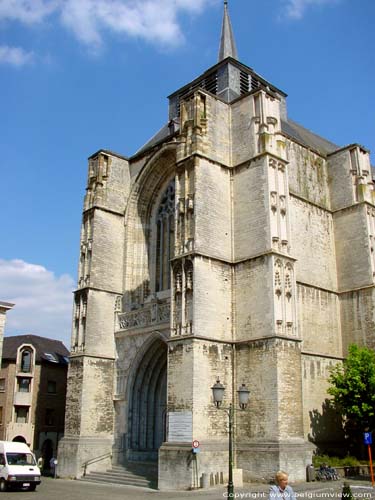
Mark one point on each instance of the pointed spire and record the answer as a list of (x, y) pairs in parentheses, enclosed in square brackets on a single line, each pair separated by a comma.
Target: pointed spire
[(227, 43)]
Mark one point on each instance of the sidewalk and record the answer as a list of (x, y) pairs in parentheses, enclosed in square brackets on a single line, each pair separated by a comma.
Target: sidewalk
[(80, 490), (311, 490)]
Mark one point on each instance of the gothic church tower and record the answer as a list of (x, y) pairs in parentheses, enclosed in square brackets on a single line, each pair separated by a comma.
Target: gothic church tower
[(224, 248)]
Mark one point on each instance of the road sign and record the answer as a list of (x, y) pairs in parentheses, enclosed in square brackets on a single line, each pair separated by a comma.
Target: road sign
[(195, 444), (367, 438)]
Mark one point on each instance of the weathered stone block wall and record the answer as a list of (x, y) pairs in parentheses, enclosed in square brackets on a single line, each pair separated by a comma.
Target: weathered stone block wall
[(74, 396), (74, 453), (313, 244), (350, 177), (308, 175), (319, 320), (100, 323), (89, 402), (341, 180), (97, 401), (271, 369), (322, 425), (107, 182), (251, 210), (253, 294), (261, 460), (213, 233), (194, 365), (107, 246), (212, 298), (217, 138), (352, 248), (244, 142), (211, 361), (255, 126), (358, 318), (180, 376), (175, 467), (118, 184)]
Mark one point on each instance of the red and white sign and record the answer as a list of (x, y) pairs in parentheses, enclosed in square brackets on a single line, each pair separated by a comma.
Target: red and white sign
[(195, 444)]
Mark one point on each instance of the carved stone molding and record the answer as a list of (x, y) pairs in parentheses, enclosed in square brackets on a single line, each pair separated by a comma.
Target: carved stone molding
[(152, 314)]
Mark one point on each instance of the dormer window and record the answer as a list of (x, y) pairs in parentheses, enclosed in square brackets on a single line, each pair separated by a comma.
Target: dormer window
[(26, 357), (50, 357)]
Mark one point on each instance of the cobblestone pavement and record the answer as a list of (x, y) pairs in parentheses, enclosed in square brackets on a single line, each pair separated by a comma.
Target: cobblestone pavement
[(61, 489)]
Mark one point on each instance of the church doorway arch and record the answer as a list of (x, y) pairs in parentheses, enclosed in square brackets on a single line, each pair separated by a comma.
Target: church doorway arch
[(147, 412)]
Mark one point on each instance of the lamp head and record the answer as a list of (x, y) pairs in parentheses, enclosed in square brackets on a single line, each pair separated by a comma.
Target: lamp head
[(243, 396), (218, 393)]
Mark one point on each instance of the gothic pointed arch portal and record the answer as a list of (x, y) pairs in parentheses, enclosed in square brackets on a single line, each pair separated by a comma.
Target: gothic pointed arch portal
[(147, 415)]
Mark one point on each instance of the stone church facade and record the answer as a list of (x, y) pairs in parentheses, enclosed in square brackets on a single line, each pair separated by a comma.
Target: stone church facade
[(235, 245)]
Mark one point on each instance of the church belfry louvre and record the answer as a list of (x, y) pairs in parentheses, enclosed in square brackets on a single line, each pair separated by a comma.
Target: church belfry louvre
[(235, 245)]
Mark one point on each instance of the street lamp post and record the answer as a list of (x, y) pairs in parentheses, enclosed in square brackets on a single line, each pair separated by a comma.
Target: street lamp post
[(243, 398)]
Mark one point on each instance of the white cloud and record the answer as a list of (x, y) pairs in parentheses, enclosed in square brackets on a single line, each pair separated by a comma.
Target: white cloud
[(43, 301), (27, 11), (295, 9), (152, 20), (15, 56)]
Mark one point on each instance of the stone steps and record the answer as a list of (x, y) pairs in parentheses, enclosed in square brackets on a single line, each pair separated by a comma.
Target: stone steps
[(140, 474)]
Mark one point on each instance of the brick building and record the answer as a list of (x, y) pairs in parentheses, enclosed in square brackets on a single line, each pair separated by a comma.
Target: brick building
[(238, 245), (33, 381)]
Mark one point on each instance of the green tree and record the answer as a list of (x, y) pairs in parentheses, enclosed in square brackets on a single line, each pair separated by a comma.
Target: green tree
[(353, 389)]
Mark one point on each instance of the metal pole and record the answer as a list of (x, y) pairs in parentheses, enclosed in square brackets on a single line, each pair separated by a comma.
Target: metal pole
[(230, 471), (370, 460)]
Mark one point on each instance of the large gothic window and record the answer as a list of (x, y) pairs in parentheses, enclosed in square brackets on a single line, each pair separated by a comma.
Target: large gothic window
[(165, 238)]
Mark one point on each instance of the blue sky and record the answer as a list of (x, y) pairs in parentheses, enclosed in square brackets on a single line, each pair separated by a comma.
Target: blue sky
[(80, 75)]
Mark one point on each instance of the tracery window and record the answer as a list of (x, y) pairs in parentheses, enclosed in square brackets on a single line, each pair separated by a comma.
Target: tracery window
[(165, 238)]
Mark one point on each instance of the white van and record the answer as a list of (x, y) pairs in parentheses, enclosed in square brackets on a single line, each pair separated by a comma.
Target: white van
[(18, 468)]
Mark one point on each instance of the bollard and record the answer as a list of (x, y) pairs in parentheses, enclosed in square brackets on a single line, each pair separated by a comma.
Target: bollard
[(310, 473), (205, 480)]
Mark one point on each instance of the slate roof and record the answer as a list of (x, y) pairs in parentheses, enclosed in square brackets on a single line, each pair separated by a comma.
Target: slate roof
[(307, 138), (160, 136), (47, 350)]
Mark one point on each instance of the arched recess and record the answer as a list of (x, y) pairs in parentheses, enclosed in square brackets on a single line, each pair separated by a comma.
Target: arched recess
[(147, 403), (141, 224), (19, 439)]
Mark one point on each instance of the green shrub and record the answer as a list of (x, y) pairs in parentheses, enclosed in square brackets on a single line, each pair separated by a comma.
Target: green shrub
[(346, 492)]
